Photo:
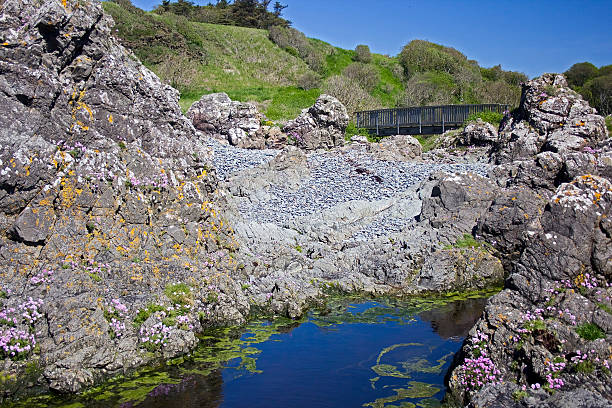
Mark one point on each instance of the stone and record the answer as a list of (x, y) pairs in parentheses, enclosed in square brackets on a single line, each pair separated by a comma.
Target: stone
[(321, 126), (396, 148), (238, 123)]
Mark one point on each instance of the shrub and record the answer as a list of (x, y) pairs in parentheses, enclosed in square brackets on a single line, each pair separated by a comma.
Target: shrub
[(308, 81), (590, 331), (296, 43), (365, 75), (493, 118), (353, 130), (428, 89), (350, 94), (362, 54), (580, 73), (599, 94), (421, 56)]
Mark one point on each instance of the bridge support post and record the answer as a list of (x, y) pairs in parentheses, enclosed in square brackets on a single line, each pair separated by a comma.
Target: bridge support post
[(443, 121), (397, 120), (420, 127), (377, 133)]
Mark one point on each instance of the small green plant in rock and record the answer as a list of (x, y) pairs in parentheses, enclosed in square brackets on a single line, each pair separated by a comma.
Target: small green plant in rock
[(143, 314), (493, 118), (179, 293), (122, 145), (467, 241), (353, 130), (518, 395), (590, 331), (298, 248)]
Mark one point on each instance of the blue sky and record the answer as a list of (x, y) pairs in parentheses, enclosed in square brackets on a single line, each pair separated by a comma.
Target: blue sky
[(533, 37)]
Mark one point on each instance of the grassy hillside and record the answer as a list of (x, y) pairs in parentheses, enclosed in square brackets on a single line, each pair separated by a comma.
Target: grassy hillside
[(200, 58), (283, 72)]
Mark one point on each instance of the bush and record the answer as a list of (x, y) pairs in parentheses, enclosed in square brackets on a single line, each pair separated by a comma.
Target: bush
[(598, 92), (493, 118), (590, 331), (428, 89), (308, 81), (362, 54), (580, 73), (365, 75), (421, 56), (353, 130), (350, 94), (298, 45)]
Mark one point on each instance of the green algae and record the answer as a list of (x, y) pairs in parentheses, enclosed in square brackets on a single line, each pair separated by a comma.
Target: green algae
[(236, 348), (416, 389)]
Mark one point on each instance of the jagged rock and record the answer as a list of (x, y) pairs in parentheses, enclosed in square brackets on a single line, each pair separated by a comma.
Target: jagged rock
[(321, 126), (460, 269), (551, 227), (396, 148), (551, 117), (238, 123), (478, 133), (106, 194)]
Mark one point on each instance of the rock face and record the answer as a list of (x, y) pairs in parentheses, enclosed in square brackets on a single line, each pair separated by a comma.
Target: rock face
[(551, 118), (106, 207), (237, 122), (396, 148), (478, 133), (321, 126), (550, 329)]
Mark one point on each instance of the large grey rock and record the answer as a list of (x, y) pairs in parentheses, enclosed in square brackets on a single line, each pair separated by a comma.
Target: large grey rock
[(321, 126), (106, 194), (396, 148), (237, 122), (551, 225)]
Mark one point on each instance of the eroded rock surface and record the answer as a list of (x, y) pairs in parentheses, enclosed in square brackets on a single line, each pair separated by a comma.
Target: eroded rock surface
[(546, 339), (321, 126), (239, 123)]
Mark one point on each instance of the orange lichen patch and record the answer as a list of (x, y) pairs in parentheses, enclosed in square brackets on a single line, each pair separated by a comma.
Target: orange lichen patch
[(110, 118), (65, 3)]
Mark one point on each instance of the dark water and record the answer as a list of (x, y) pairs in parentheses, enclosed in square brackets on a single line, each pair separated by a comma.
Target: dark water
[(373, 354)]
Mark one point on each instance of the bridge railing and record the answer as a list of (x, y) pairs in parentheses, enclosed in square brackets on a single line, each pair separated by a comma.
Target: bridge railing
[(444, 116)]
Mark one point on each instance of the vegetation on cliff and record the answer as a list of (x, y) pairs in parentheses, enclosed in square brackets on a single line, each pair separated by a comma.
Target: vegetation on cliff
[(206, 49)]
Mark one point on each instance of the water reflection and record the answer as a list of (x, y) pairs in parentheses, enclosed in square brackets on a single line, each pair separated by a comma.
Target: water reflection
[(454, 320), (370, 353)]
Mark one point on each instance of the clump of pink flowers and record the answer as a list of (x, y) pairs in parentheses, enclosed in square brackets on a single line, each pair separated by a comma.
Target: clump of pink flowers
[(44, 276), (116, 313), (481, 370)]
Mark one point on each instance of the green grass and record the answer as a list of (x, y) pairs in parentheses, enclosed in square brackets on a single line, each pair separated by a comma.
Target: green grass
[(493, 118), (179, 293), (337, 61), (609, 124), (590, 331), (428, 142), (468, 241)]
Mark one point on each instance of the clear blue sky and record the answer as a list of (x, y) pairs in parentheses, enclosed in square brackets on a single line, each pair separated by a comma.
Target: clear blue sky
[(532, 36)]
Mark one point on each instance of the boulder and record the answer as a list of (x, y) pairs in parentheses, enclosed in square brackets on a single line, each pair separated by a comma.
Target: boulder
[(321, 126), (106, 200), (551, 117), (238, 123), (551, 225), (396, 148)]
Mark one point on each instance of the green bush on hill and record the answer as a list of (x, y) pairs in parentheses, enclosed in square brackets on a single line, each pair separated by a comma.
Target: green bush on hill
[(594, 84), (283, 71)]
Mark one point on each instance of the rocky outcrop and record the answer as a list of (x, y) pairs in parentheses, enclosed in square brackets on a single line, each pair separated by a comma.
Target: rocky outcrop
[(321, 126), (396, 148), (547, 337), (477, 133), (110, 245), (239, 123)]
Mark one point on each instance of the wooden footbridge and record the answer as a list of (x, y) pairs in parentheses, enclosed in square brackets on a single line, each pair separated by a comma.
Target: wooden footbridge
[(422, 119)]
